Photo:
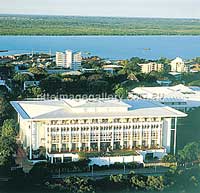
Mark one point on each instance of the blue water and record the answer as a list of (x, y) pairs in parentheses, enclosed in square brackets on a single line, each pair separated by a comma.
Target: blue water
[(111, 47)]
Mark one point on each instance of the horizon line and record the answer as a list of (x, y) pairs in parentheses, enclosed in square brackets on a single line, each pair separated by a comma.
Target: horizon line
[(62, 15)]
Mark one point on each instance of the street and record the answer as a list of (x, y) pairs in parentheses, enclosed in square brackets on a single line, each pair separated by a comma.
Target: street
[(100, 174)]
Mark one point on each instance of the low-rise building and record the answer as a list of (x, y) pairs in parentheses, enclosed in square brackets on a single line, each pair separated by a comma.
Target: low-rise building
[(164, 82), (31, 83), (66, 127), (112, 68), (151, 66), (195, 67), (180, 97), (178, 65)]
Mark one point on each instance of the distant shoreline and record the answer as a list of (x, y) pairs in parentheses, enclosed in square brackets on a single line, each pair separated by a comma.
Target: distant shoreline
[(149, 35), (36, 25)]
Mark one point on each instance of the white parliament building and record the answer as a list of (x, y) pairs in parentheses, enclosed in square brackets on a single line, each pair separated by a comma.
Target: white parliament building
[(67, 126)]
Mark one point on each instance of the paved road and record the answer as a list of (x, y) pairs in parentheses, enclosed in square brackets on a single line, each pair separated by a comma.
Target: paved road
[(100, 174)]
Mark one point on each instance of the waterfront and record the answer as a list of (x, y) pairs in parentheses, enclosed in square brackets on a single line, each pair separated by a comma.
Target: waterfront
[(112, 47)]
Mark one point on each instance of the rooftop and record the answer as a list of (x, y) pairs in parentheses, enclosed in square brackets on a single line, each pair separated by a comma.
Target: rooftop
[(168, 91), (85, 108), (177, 59), (179, 93)]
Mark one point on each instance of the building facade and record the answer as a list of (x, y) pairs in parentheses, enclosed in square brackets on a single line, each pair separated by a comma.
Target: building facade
[(151, 66), (178, 65), (68, 126), (76, 62), (60, 59)]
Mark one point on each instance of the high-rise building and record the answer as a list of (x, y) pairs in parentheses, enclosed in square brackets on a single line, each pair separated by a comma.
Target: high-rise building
[(60, 59), (69, 59), (76, 63)]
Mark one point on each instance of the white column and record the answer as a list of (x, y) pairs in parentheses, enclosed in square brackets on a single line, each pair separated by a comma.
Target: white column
[(50, 138), (112, 138), (99, 139), (79, 138), (166, 133), (18, 118), (149, 135), (161, 138), (70, 138), (30, 151), (46, 138), (158, 141), (122, 137), (62, 158), (52, 159), (89, 138), (140, 140), (60, 139), (175, 127), (131, 137)]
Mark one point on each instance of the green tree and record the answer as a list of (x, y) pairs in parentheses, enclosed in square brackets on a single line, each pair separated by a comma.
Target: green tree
[(34, 91), (137, 182), (98, 87), (131, 66), (39, 172), (9, 128), (155, 183), (197, 60), (190, 152), (194, 83), (3, 91), (18, 77), (52, 84), (78, 185), (169, 158), (4, 109), (121, 92), (117, 178), (38, 72), (166, 62), (7, 149)]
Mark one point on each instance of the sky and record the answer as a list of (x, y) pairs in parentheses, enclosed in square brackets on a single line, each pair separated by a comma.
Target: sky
[(122, 8)]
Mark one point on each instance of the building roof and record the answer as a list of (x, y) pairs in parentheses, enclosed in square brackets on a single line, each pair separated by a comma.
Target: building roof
[(150, 63), (177, 59), (112, 66), (178, 93), (64, 109)]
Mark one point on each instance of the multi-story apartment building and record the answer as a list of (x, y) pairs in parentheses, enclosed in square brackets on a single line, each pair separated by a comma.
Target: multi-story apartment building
[(60, 59), (151, 66), (69, 59), (76, 62), (65, 126), (178, 65)]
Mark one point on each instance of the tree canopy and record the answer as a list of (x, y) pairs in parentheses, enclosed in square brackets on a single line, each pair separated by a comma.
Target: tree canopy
[(9, 128)]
